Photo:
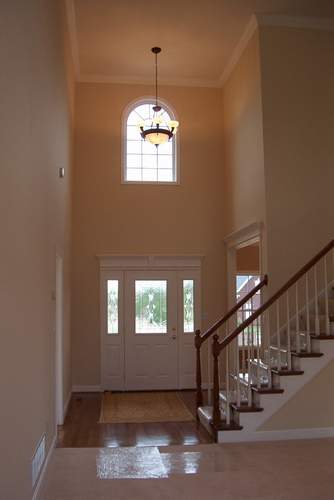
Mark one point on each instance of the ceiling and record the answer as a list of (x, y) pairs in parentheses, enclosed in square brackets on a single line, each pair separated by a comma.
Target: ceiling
[(112, 38)]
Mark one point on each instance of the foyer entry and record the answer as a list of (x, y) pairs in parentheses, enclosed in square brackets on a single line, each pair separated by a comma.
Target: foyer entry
[(150, 309)]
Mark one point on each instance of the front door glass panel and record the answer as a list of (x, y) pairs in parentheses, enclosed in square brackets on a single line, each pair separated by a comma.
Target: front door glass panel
[(151, 306), (188, 306), (112, 306)]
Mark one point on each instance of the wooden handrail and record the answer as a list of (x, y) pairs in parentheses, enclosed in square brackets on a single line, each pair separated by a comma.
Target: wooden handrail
[(234, 309), (199, 339), (219, 346)]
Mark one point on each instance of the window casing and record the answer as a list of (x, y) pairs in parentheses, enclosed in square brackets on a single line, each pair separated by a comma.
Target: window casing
[(144, 163)]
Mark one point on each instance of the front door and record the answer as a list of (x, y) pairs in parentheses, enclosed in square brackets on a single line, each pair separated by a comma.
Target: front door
[(151, 351), (148, 322)]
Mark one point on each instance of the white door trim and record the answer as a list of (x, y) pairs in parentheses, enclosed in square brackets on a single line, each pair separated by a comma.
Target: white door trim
[(59, 339), (133, 262), (242, 237), (111, 267)]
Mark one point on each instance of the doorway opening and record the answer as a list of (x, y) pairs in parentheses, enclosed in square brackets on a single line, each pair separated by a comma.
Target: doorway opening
[(248, 277)]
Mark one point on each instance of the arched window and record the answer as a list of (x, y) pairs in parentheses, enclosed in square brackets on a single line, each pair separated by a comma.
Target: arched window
[(144, 162)]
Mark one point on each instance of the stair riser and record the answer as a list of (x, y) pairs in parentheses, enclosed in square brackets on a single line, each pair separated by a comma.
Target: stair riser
[(276, 381), (295, 363)]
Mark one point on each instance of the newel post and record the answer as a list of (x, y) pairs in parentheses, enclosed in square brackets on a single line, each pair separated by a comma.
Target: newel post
[(216, 410), (198, 343)]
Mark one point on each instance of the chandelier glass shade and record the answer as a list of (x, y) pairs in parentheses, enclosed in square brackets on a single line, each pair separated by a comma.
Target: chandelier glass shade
[(156, 130)]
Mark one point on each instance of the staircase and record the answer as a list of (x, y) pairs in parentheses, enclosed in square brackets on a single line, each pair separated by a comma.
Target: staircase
[(259, 365)]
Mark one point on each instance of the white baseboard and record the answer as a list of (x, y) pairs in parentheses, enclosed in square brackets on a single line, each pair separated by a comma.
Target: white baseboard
[(280, 435), (45, 466), (86, 388)]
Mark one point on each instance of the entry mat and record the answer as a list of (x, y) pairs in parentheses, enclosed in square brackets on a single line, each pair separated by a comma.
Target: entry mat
[(141, 407)]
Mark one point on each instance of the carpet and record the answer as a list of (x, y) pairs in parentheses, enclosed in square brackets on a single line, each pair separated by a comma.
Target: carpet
[(140, 407)]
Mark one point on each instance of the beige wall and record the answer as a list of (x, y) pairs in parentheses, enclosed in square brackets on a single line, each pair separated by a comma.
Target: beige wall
[(311, 407), (35, 136), (298, 107), (113, 218), (243, 185), (248, 258)]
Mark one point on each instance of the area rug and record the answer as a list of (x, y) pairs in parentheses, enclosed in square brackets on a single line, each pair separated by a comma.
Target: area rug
[(140, 407)]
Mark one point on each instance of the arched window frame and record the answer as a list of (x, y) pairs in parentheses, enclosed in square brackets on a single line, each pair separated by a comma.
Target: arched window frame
[(175, 144)]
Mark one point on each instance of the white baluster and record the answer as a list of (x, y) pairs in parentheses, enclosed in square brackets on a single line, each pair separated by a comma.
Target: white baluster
[(258, 341), (317, 324), (279, 359), (252, 331), (288, 332), (221, 332), (268, 336), (243, 352), (227, 374), (297, 321), (308, 328), (237, 370), (326, 297), (210, 342), (249, 364)]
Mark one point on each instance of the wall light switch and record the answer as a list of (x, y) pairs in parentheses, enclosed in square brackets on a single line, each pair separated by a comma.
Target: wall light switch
[(61, 172)]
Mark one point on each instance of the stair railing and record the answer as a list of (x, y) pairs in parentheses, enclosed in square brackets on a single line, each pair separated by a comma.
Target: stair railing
[(201, 338), (296, 303)]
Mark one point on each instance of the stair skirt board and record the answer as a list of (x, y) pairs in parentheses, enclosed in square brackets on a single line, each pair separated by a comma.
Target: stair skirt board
[(271, 403)]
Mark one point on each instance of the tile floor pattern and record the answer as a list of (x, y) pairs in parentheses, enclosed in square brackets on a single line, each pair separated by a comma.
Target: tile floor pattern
[(294, 470)]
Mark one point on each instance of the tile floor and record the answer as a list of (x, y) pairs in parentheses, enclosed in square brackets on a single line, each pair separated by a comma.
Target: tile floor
[(294, 470)]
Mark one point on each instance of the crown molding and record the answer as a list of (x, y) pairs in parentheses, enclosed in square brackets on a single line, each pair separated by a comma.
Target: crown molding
[(324, 24), (239, 49), (72, 29), (136, 80), (315, 23)]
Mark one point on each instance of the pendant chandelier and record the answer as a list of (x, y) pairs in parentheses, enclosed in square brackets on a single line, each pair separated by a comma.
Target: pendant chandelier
[(156, 130)]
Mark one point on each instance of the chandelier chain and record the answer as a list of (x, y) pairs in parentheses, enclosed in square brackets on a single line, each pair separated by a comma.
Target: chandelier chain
[(159, 131), (156, 79)]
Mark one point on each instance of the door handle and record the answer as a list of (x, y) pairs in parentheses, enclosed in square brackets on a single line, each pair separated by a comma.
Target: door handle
[(173, 337)]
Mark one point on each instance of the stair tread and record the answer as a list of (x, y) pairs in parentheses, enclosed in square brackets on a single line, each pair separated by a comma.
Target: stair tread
[(244, 379), (207, 411), (244, 408), (304, 354), (322, 336), (285, 372), (268, 390), (232, 426)]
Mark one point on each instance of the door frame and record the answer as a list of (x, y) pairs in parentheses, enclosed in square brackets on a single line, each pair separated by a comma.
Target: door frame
[(238, 239), (123, 263), (59, 341)]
